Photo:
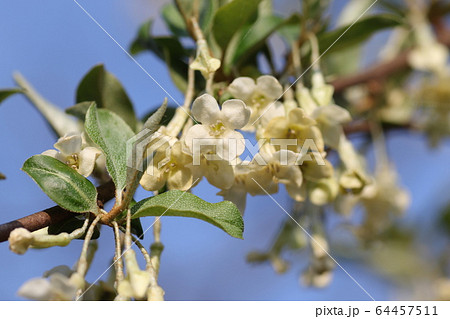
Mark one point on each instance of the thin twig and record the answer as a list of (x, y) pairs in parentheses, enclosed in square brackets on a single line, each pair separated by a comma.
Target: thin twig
[(157, 247), (118, 262), (82, 262)]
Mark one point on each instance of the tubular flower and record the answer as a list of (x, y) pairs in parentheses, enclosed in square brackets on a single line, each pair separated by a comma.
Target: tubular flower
[(237, 193), (57, 287), (318, 104), (257, 95), (219, 173), (271, 169), (216, 134), (297, 126), (70, 151), (169, 165)]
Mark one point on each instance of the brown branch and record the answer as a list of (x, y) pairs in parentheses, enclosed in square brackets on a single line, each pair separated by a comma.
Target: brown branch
[(377, 72), (52, 215), (363, 126), (386, 69)]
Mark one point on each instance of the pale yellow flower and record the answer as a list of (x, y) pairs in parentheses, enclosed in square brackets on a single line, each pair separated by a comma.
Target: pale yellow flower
[(70, 151)]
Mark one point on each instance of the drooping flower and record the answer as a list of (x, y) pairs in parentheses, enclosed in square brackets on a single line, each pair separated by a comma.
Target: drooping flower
[(20, 239), (237, 193), (268, 170), (169, 165), (295, 126), (70, 151), (218, 172), (204, 62), (319, 272), (329, 119), (318, 104), (57, 287), (429, 58), (382, 199), (258, 96), (217, 132)]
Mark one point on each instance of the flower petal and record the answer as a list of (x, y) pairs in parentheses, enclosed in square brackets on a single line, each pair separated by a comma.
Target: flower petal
[(242, 88), (233, 145), (219, 173), (237, 195), (297, 193), (51, 153), (62, 288), (313, 171), (206, 109), (277, 128), (153, 179), (235, 114), (87, 158), (197, 131), (180, 178), (298, 117), (332, 113), (272, 111), (260, 181), (269, 87), (69, 145), (36, 289)]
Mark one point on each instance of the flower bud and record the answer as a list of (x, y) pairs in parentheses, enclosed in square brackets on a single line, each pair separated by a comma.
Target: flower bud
[(20, 240)]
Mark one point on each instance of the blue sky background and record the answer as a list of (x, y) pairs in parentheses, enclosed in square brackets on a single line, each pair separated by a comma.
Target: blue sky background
[(53, 44)]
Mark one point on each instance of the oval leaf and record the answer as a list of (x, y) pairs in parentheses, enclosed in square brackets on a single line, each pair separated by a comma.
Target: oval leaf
[(349, 35), (230, 17), (111, 134), (105, 89), (79, 110), (62, 184), (224, 215)]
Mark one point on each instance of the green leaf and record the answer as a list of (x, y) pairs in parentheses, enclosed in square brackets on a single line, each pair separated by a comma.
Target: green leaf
[(166, 48), (5, 93), (110, 133), (138, 147), (231, 17), (62, 184), (174, 20), (140, 43), (103, 87), (209, 8), (170, 112), (224, 215), (69, 225), (290, 30), (136, 228), (186, 6), (252, 37), (79, 110), (359, 32), (445, 219)]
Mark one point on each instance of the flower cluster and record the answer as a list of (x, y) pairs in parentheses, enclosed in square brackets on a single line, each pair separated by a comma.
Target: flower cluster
[(293, 136)]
